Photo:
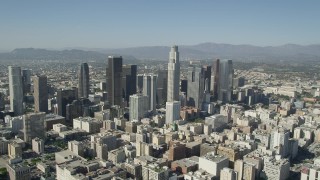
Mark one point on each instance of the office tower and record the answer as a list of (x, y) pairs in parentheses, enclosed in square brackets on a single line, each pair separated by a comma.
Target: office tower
[(139, 83), (172, 111), (184, 85), (26, 80), (65, 97), (38, 145), (83, 87), (207, 75), (2, 103), (150, 90), (195, 86), (40, 93), (19, 171), (33, 124), (15, 88), (215, 78), (162, 87), (114, 77), (173, 75), (225, 81), (129, 81), (138, 107)]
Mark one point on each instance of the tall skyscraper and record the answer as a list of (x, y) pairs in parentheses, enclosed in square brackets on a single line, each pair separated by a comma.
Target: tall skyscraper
[(195, 86), (207, 76), (129, 81), (114, 77), (83, 88), (65, 97), (162, 86), (138, 107), (173, 75), (26, 80), (16, 92), (40, 93), (172, 111), (225, 80), (139, 83), (150, 90), (215, 78)]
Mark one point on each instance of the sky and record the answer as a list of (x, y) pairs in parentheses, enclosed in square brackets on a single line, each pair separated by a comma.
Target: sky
[(131, 23)]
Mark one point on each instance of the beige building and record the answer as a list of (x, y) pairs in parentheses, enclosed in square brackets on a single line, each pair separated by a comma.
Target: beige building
[(38, 145)]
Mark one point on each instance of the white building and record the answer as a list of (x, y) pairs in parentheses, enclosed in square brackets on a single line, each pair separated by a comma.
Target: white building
[(172, 111), (138, 106), (217, 121), (38, 145), (213, 164), (173, 75), (88, 124)]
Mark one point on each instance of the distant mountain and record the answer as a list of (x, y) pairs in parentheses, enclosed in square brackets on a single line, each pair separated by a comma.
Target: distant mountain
[(72, 55), (288, 52)]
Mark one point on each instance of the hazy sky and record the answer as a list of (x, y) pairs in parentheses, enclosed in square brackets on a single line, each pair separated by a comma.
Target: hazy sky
[(128, 23)]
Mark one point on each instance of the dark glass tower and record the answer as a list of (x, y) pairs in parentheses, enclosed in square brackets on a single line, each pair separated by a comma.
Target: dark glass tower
[(114, 77), (129, 81), (83, 89)]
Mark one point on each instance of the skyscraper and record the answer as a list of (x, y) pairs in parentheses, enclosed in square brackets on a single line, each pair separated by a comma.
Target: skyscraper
[(83, 89), (225, 80), (16, 93), (150, 90), (64, 97), (114, 77), (26, 80), (138, 107), (129, 81), (215, 78), (195, 86), (173, 75), (162, 86), (40, 93), (207, 76)]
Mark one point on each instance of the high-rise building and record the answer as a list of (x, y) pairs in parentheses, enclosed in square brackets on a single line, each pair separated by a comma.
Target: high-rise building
[(26, 80), (150, 90), (162, 86), (139, 83), (280, 141), (207, 76), (215, 78), (172, 111), (173, 75), (195, 86), (225, 81), (114, 77), (16, 92), (65, 97), (83, 88), (33, 124), (129, 81), (40, 93), (138, 106)]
